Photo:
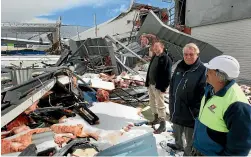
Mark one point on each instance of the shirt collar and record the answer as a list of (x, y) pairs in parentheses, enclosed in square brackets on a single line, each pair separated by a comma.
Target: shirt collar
[(193, 66)]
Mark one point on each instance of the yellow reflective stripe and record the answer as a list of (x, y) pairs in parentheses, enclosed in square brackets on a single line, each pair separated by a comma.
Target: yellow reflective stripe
[(211, 114)]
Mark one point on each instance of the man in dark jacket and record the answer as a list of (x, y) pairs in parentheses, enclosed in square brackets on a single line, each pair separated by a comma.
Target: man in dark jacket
[(186, 91), (157, 80)]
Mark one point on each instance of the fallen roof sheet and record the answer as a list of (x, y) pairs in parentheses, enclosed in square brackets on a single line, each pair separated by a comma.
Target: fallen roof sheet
[(139, 146), (175, 40), (26, 102)]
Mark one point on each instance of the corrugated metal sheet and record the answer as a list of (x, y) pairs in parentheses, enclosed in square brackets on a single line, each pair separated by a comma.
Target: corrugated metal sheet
[(232, 38), (95, 46), (19, 76), (143, 145), (175, 40)]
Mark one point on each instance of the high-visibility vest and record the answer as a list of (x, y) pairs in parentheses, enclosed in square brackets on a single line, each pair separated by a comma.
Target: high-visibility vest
[(212, 112)]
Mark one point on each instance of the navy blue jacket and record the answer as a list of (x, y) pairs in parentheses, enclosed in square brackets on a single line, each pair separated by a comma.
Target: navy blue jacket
[(185, 93), (237, 142)]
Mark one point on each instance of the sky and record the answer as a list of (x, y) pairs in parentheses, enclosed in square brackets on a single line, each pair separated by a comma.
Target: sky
[(73, 12)]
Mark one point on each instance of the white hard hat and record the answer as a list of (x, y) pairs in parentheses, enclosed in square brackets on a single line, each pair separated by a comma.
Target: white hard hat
[(226, 64)]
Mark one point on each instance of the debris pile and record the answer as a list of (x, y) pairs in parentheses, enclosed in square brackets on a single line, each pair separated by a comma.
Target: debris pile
[(124, 80), (247, 90), (19, 141), (54, 111), (56, 115), (19, 138)]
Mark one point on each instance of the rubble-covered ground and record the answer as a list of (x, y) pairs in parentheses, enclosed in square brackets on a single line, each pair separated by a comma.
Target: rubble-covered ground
[(109, 132), (58, 117)]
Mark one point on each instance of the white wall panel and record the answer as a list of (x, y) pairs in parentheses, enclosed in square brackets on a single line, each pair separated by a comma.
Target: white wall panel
[(233, 38)]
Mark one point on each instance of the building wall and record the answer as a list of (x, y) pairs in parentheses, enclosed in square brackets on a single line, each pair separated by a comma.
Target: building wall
[(112, 27), (233, 38), (204, 12)]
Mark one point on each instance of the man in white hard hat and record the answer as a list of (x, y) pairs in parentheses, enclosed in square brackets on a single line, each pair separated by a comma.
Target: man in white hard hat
[(224, 123)]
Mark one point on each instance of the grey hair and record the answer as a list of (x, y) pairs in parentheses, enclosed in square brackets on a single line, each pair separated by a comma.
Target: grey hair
[(193, 46), (222, 76)]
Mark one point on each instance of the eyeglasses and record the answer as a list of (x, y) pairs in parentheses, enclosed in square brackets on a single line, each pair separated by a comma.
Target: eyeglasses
[(189, 54)]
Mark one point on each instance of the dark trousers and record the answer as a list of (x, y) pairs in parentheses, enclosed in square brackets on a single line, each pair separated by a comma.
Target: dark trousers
[(195, 152), (178, 131)]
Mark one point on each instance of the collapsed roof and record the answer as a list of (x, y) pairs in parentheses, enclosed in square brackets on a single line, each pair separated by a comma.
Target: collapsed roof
[(122, 25), (175, 40)]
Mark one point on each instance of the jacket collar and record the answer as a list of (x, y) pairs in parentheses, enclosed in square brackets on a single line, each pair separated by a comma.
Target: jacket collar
[(158, 56), (224, 90), (194, 66), (162, 54), (221, 93)]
